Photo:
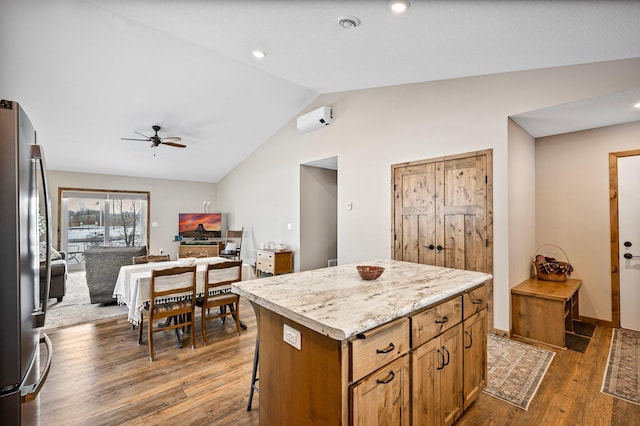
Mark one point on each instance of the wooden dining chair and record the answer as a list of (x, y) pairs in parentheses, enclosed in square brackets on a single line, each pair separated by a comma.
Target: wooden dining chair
[(173, 297), (137, 260), (232, 244), (218, 278)]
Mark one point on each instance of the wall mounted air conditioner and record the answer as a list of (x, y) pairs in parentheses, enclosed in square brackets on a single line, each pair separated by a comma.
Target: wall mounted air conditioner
[(315, 119)]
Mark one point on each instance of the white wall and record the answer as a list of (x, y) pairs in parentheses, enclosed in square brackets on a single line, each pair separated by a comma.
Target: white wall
[(318, 217), (167, 199), (375, 128), (522, 204), (575, 213)]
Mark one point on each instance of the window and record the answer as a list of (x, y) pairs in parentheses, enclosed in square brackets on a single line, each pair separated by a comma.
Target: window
[(100, 217)]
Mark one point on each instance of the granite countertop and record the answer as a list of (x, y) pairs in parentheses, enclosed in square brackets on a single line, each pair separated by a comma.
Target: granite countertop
[(337, 303)]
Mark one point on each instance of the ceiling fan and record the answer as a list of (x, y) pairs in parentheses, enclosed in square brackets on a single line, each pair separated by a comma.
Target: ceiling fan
[(157, 140)]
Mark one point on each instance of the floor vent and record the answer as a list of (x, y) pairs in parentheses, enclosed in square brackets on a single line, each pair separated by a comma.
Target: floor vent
[(332, 262)]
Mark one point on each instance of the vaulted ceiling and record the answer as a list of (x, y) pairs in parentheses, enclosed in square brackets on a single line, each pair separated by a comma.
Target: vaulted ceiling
[(89, 72)]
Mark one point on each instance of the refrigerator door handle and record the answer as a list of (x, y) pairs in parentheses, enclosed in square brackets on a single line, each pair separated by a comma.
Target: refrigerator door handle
[(37, 155), (30, 392)]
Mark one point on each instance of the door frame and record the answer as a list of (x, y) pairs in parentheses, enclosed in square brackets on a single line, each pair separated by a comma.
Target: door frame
[(614, 232)]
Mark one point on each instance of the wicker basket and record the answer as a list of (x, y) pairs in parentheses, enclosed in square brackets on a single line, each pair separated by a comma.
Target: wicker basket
[(551, 269)]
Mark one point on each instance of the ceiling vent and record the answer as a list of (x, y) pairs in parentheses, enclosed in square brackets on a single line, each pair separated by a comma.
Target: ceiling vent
[(315, 119)]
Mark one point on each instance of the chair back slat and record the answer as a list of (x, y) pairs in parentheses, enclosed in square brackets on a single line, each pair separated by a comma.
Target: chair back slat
[(137, 260), (164, 281), (223, 274)]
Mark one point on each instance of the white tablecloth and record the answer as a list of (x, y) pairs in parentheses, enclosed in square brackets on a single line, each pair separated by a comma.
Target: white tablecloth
[(133, 287)]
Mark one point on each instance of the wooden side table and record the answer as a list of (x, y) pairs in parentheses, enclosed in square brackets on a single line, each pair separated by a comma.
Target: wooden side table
[(544, 310), (274, 262)]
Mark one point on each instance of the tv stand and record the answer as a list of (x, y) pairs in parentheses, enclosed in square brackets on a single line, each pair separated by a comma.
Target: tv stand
[(200, 248)]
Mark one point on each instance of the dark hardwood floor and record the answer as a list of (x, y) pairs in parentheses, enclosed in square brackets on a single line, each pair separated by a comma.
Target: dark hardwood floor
[(100, 376)]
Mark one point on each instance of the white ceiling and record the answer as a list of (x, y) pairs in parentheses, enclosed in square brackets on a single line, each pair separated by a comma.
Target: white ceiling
[(89, 72)]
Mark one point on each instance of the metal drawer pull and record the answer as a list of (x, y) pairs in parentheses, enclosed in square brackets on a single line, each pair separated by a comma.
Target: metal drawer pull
[(448, 357), (386, 350), (442, 321), (388, 379), (477, 302), (442, 364), (470, 340)]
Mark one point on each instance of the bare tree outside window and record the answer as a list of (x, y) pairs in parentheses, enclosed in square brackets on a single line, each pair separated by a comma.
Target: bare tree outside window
[(125, 221)]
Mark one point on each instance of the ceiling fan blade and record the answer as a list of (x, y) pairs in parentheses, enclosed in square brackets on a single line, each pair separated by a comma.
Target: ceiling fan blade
[(129, 139), (138, 133), (177, 145), (171, 139)]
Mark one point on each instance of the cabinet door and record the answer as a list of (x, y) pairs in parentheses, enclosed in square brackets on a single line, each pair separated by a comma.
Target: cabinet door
[(475, 358), (442, 212), (436, 373), (426, 360), (382, 397), (451, 376)]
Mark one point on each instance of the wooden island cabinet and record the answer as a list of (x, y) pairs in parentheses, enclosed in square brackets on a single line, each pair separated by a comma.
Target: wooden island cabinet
[(407, 348)]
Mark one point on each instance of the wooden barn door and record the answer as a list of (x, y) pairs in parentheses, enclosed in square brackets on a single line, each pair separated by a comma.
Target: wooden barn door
[(442, 212)]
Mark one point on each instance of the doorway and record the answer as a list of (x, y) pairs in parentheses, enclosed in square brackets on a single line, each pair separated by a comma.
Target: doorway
[(624, 175), (318, 214)]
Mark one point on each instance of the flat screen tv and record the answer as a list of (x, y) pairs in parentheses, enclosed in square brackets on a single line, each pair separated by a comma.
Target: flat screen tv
[(200, 226)]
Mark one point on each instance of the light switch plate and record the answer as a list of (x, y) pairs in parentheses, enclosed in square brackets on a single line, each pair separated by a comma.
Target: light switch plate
[(292, 336)]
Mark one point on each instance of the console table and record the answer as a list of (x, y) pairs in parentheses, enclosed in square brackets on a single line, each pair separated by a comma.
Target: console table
[(199, 250), (544, 310)]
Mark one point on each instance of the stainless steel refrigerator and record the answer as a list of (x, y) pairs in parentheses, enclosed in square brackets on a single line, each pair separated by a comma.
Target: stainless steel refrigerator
[(25, 231)]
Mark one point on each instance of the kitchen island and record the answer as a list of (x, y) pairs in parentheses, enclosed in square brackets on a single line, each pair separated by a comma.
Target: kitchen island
[(335, 349)]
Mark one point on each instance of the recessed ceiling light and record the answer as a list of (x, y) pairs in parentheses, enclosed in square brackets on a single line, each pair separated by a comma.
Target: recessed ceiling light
[(637, 105), (399, 6), (348, 22), (258, 54)]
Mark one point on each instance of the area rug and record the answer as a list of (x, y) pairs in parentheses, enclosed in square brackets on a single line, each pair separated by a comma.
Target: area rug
[(622, 375), (515, 370), (76, 307)]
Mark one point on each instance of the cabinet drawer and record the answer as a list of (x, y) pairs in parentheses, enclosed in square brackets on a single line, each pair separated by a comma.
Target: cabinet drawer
[(266, 256), (432, 321), (264, 265), (379, 346), (474, 301)]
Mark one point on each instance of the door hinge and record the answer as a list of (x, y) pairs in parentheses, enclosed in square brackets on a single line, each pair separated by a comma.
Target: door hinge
[(5, 104), (486, 179), (394, 186), (486, 242), (394, 237)]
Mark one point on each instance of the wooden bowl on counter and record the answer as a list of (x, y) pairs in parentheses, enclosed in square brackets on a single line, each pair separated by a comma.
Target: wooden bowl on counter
[(369, 273)]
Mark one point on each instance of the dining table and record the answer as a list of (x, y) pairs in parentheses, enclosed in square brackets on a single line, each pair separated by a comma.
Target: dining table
[(133, 286)]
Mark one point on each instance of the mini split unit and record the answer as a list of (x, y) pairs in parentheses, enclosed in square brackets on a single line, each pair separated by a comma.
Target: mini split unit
[(315, 119)]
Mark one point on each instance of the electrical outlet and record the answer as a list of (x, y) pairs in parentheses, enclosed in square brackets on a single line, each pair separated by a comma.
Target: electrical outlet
[(292, 336)]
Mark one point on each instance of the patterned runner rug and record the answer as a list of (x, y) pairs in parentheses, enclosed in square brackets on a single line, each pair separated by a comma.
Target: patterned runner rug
[(622, 375), (515, 370)]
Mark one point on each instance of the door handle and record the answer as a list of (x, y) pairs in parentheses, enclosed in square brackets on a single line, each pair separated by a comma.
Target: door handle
[(388, 379), (627, 244), (629, 256), (439, 247), (441, 360), (470, 340), (386, 350), (430, 246)]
